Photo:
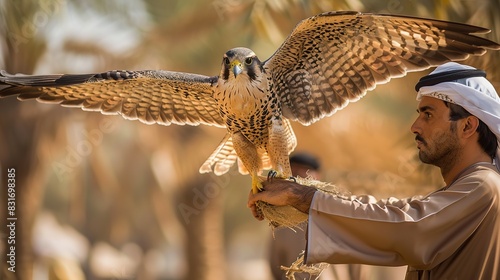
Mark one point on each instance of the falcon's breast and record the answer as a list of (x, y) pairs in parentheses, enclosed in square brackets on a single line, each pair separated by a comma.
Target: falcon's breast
[(244, 97)]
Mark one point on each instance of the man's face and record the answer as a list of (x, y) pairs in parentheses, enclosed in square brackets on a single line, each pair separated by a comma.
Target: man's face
[(435, 134)]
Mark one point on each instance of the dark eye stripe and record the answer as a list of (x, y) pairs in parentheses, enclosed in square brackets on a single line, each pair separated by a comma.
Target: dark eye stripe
[(251, 73), (225, 75)]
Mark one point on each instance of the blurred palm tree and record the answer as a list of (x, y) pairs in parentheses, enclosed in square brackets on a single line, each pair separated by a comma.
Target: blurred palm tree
[(135, 183), (20, 52)]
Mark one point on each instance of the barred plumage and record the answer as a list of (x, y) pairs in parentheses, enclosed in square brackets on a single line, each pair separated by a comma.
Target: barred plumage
[(327, 61)]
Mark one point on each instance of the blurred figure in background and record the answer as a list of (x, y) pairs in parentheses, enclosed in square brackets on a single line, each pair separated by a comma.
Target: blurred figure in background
[(286, 245)]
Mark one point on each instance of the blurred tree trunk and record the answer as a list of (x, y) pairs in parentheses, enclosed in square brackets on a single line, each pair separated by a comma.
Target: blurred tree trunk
[(18, 152), (200, 211), (17, 131)]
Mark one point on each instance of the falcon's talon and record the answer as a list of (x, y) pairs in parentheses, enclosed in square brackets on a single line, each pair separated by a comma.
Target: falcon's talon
[(272, 174), (291, 178)]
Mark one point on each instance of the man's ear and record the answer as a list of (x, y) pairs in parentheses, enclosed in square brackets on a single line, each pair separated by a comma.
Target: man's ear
[(470, 125)]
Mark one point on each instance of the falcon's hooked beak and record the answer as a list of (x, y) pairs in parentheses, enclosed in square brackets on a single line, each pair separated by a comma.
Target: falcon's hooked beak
[(237, 67)]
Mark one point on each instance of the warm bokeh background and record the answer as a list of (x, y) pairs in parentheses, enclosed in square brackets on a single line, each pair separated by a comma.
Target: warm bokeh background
[(99, 197)]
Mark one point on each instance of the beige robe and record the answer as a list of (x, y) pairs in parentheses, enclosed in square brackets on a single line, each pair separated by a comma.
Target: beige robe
[(453, 233)]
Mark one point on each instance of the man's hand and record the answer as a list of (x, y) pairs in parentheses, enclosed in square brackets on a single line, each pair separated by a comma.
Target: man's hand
[(281, 192)]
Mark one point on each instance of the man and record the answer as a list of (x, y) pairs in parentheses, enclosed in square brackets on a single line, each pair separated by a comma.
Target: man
[(452, 233)]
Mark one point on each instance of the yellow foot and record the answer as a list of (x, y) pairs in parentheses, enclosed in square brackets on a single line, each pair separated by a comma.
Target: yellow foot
[(256, 185)]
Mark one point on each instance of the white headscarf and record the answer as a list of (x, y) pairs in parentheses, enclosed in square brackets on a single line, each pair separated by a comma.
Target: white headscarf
[(475, 94)]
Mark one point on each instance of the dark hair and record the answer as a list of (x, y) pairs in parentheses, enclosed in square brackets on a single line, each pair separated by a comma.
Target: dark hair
[(305, 159), (487, 140)]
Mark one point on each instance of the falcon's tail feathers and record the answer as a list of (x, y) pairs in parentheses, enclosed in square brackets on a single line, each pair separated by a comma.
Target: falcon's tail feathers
[(222, 158)]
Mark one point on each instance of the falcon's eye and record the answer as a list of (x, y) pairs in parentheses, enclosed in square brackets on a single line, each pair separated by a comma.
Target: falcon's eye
[(226, 61), (249, 60)]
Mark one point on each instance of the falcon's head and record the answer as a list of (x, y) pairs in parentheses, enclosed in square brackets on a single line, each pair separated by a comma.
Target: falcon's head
[(241, 63)]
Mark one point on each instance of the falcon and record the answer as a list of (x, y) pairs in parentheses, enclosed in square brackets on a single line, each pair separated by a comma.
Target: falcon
[(327, 61)]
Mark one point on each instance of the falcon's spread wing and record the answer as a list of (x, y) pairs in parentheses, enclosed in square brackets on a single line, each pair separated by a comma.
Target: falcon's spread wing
[(161, 97), (333, 58)]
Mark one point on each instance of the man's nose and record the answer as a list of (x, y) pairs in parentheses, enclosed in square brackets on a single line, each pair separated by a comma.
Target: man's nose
[(415, 127)]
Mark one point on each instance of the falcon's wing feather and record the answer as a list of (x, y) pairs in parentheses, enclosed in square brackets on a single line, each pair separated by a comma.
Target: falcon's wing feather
[(150, 96), (334, 58)]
